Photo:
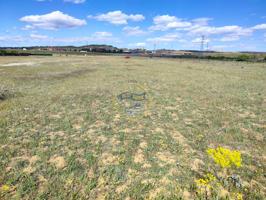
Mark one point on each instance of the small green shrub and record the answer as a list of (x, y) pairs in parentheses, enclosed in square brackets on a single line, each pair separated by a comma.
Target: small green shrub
[(243, 57)]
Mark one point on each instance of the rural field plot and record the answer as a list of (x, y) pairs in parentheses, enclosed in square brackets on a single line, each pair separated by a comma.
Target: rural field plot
[(106, 127)]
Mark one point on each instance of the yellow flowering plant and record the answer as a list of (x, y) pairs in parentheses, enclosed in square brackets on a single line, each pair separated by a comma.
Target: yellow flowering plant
[(225, 158), (213, 184), (206, 184), (205, 181), (236, 196), (5, 188)]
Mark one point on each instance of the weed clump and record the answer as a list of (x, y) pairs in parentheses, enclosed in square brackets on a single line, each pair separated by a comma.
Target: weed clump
[(4, 93), (222, 181), (244, 57)]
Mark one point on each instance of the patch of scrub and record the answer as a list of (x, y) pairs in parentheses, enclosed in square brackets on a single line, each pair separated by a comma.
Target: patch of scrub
[(166, 157), (179, 138), (126, 130), (53, 135), (108, 159), (143, 145), (23, 160), (186, 195), (30, 169), (160, 188), (159, 130), (117, 118), (58, 161), (139, 157), (156, 192), (197, 164), (43, 184), (98, 124), (123, 187), (100, 139)]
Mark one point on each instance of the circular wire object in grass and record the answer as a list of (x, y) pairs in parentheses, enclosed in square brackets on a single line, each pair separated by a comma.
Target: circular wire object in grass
[(133, 102)]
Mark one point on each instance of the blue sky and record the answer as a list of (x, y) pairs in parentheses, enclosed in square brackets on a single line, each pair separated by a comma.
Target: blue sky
[(228, 25)]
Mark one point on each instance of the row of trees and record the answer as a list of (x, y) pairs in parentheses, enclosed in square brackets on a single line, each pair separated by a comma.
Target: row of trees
[(18, 53), (242, 57)]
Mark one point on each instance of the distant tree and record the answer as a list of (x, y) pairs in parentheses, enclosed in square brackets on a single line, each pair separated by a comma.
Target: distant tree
[(2, 52), (243, 57)]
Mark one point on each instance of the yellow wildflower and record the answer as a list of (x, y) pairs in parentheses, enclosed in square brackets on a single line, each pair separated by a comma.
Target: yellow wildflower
[(211, 177), (201, 182), (69, 181), (5, 188), (237, 196), (225, 157), (206, 181)]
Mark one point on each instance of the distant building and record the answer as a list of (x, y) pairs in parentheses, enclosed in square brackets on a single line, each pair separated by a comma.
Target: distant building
[(125, 50)]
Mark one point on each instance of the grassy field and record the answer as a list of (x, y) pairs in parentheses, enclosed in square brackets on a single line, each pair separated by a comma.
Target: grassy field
[(64, 134)]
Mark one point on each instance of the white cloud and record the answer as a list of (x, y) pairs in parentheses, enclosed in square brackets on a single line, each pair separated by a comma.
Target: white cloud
[(133, 30), (221, 47), (259, 27), (190, 29), (164, 19), (28, 27), (138, 45), (97, 37), (203, 21), (209, 30), (33, 39), (75, 1), (118, 17), (200, 26), (52, 21), (199, 40), (166, 38), (84, 40), (166, 22), (230, 38), (102, 34), (38, 36), (16, 38)]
